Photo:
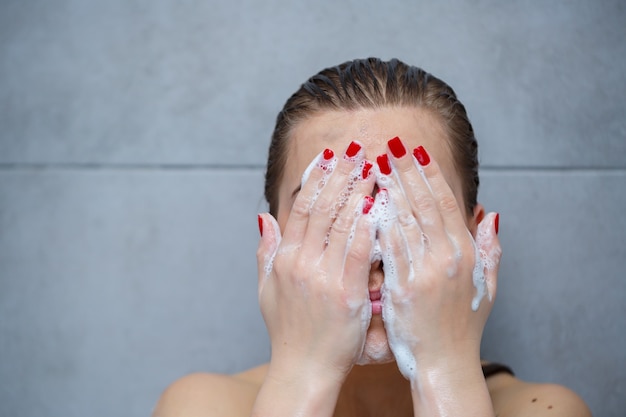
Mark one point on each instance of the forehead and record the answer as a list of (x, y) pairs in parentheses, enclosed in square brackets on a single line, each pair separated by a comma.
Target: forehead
[(372, 128)]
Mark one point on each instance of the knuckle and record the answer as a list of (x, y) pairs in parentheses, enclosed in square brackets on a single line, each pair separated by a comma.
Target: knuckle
[(301, 206), (406, 218), (358, 251), (279, 263), (424, 204), (301, 265), (450, 263), (322, 206), (448, 203), (342, 225), (395, 247)]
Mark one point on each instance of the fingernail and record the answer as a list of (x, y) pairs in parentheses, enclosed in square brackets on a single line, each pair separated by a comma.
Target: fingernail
[(353, 149), (396, 147), (366, 169), (383, 164), (368, 202), (421, 155), (496, 222), (260, 224), (328, 154)]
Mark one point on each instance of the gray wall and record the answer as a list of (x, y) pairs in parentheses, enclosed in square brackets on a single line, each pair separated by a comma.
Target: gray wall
[(132, 143)]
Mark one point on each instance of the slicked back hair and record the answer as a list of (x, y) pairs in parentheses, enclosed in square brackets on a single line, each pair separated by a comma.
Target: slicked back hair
[(369, 84)]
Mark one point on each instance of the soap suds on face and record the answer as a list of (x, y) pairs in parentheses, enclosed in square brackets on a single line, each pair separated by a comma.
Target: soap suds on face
[(383, 215)]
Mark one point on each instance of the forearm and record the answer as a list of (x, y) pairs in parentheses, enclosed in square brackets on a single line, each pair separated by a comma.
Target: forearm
[(451, 390)]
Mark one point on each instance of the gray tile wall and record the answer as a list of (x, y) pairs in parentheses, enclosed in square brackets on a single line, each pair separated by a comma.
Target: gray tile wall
[(132, 143)]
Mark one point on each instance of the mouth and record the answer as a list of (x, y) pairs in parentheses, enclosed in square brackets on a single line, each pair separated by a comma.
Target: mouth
[(376, 283)]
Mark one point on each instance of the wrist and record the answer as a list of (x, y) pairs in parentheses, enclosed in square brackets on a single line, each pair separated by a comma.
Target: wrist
[(290, 367), (297, 392), (448, 358), (451, 386)]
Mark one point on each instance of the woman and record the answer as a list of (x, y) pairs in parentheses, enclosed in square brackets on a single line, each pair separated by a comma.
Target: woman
[(377, 267)]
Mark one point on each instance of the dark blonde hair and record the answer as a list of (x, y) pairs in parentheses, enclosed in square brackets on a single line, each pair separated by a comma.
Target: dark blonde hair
[(373, 83)]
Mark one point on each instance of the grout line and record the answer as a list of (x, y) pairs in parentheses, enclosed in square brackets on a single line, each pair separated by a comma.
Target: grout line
[(96, 166)]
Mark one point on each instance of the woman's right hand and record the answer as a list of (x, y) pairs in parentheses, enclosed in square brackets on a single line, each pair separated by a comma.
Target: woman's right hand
[(313, 280)]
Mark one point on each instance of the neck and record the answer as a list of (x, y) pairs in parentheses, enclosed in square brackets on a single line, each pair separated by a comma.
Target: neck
[(375, 390)]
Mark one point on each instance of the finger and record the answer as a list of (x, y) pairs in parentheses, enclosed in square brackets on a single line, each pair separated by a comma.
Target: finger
[(417, 191), (401, 215), (396, 253), (451, 214), (356, 252), (317, 172), (343, 228), (332, 197), (268, 245)]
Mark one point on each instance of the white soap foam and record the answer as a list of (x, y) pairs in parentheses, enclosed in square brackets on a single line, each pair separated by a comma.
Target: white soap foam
[(327, 165), (478, 277), (399, 338), (269, 258), (489, 252), (359, 304), (382, 216)]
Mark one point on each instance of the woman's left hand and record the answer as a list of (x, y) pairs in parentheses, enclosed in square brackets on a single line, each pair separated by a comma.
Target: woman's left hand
[(431, 289)]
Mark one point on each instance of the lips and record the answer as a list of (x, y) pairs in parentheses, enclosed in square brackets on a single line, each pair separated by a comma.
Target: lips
[(377, 304), (376, 282)]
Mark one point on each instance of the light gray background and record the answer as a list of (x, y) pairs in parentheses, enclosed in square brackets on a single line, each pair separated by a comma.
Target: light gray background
[(132, 143)]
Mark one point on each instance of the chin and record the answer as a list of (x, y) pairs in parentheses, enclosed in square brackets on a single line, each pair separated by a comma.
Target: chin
[(376, 350)]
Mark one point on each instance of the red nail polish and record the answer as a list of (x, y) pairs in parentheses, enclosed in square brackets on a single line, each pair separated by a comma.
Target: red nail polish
[(368, 202), (353, 149), (496, 222), (366, 169), (421, 155), (328, 154), (396, 147), (383, 164), (260, 224)]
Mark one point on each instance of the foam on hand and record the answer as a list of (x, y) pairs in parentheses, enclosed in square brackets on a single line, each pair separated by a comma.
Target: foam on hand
[(488, 254), (358, 304), (399, 335), (382, 216), (478, 277)]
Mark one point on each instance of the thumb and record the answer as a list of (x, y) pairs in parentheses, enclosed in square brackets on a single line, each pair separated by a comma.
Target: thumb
[(268, 244), (490, 251)]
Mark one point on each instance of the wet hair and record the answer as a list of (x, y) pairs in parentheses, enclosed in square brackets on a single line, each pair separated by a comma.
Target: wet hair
[(369, 84)]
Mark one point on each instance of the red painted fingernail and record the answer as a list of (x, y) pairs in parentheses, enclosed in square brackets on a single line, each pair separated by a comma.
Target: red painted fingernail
[(368, 202), (260, 224), (383, 164), (421, 155), (496, 222), (353, 149), (366, 169), (396, 147), (328, 154)]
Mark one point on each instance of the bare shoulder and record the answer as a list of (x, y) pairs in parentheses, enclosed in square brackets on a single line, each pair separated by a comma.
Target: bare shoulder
[(512, 397), (211, 395)]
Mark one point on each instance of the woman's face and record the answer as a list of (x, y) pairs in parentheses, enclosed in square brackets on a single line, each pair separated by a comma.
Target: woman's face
[(372, 128)]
